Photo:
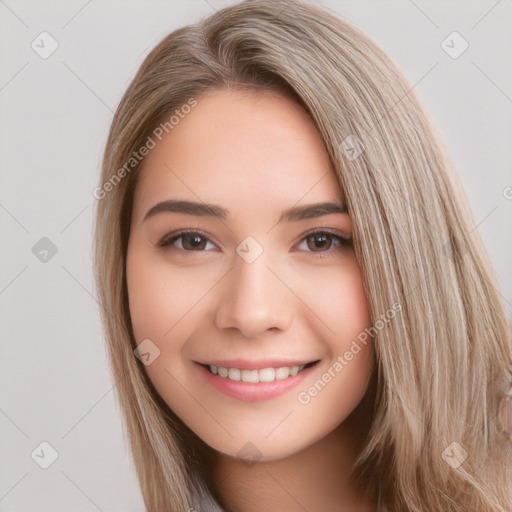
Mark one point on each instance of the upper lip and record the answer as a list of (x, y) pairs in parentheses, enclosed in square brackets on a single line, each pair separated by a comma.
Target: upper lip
[(246, 364)]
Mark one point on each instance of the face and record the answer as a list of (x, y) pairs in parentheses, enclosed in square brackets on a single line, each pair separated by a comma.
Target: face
[(249, 297)]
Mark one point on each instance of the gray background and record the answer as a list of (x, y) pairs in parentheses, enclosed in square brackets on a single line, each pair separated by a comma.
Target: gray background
[(55, 116)]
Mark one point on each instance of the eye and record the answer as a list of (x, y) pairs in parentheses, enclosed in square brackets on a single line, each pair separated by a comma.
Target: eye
[(187, 240), (324, 242)]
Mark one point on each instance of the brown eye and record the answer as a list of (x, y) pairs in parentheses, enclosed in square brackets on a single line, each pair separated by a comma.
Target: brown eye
[(324, 241), (187, 241), (193, 242), (320, 242)]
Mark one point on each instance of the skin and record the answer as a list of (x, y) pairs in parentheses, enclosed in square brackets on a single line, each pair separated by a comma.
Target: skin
[(255, 154)]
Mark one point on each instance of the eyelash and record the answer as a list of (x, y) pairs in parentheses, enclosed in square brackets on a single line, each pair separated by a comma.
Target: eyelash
[(344, 241)]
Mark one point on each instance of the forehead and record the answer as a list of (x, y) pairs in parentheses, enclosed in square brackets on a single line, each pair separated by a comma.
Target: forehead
[(238, 145)]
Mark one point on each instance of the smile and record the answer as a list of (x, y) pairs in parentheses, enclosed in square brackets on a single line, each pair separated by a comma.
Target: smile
[(254, 376), (264, 381)]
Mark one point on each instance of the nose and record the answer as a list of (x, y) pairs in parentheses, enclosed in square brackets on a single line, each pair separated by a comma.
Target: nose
[(254, 299)]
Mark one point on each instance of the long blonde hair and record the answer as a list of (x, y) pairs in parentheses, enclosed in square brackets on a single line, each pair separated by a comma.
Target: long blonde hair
[(441, 366)]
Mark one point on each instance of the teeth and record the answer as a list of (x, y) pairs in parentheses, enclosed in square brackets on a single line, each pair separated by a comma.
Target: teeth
[(250, 376), (282, 373), (266, 375), (253, 376), (234, 374)]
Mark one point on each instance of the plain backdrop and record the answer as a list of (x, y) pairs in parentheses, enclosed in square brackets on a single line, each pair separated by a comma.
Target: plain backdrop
[(55, 115)]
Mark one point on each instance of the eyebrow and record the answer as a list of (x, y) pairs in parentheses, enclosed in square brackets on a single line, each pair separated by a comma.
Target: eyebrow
[(293, 214)]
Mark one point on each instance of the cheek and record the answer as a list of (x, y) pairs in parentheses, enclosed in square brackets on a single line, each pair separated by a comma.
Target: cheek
[(348, 302), (336, 296), (161, 305), (147, 299), (342, 380), (160, 298), (336, 391)]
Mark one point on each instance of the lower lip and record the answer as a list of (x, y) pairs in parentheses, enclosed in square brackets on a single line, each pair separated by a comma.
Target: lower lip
[(254, 392)]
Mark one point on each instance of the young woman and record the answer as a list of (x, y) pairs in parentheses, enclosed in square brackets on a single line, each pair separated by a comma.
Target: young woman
[(298, 310)]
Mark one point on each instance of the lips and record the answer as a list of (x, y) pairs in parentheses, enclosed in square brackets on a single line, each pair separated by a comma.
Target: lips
[(254, 384)]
